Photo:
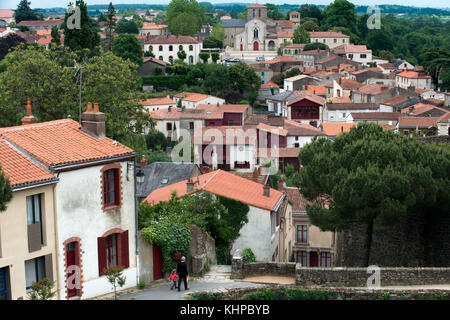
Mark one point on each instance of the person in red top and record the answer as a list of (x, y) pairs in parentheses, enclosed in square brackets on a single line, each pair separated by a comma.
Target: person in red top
[(174, 277)]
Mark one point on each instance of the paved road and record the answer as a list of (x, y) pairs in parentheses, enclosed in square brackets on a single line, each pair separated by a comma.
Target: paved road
[(163, 292)]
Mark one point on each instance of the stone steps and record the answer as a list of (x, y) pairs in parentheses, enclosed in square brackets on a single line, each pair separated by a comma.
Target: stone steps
[(218, 273)]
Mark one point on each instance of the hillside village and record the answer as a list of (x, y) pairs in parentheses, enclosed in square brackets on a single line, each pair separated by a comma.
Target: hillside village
[(210, 137)]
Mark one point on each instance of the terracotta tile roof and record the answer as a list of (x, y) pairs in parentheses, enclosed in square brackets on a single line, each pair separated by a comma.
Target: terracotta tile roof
[(351, 48), (192, 96), (285, 24), (229, 134), (152, 26), (269, 85), (376, 115), (44, 40), (157, 101), (296, 45), (147, 59), (349, 84), (44, 32), (6, 13), (297, 200), (239, 108), (163, 114), (41, 22), (366, 70), (280, 152), (444, 118), (352, 106), (285, 34), (295, 128), (223, 184), (420, 122), (271, 129), (396, 100), (412, 75), (435, 102), (172, 39), (308, 96), (255, 119), (417, 109), (373, 88), (316, 89), (387, 66), (256, 5), (328, 34), (335, 100), (335, 128), (19, 169), (62, 142)]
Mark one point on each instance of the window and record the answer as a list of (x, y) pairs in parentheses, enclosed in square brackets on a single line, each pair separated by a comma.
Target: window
[(169, 126), (363, 56), (161, 49), (302, 258), (38, 269), (335, 40), (302, 233), (171, 60), (191, 47), (151, 48), (34, 221), (191, 59), (296, 145), (113, 250), (191, 125), (343, 40), (325, 259), (331, 115), (160, 58), (255, 33), (180, 47), (344, 114), (170, 48), (111, 195)]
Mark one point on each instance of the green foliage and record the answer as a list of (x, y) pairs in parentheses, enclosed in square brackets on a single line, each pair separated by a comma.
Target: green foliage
[(290, 294), (369, 175), (272, 12), (386, 54), (111, 24), (301, 35), (25, 13), (185, 17), (174, 82), (127, 46), (84, 38), (141, 285), (218, 32), (204, 56), (289, 170), (115, 276), (215, 56), (127, 26), (248, 256), (235, 219), (207, 296), (8, 43), (310, 11), (210, 42), (56, 38), (42, 290), (315, 46), (150, 54), (385, 296), (310, 24), (436, 62), (223, 254), (158, 155), (156, 140), (181, 55), (136, 141), (340, 13)]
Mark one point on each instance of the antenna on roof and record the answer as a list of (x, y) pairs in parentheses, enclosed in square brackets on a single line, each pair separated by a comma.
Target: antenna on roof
[(79, 72)]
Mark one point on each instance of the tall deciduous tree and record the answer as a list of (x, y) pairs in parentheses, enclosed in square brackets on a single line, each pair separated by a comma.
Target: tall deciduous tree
[(127, 46), (310, 11), (340, 13), (185, 17), (84, 38), (5, 190), (436, 62), (25, 13), (125, 26), (301, 35), (372, 177), (243, 78), (110, 23)]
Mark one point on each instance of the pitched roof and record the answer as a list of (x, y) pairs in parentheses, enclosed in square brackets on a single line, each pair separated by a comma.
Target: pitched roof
[(257, 5), (6, 13), (316, 89), (335, 128), (161, 174), (413, 75), (20, 169), (272, 129), (308, 96), (349, 84), (278, 153), (335, 100), (420, 122), (327, 34), (157, 101), (62, 142), (350, 48), (233, 23), (172, 39), (373, 88), (151, 59), (375, 115), (352, 106), (396, 100), (193, 96), (297, 200), (285, 34), (223, 184), (387, 66), (40, 22), (269, 85), (152, 26), (295, 128)]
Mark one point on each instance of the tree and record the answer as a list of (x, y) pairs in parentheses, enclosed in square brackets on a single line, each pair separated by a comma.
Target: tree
[(56, 38), (233, 14), (42, 290), (310, 11), (127, 46), (386, 54), (5, 190), (380, 39), (149, 54), (181, 55), (310, 24), (315, 46), (436, 61), (110, 24), (25, 13), (372, 177), (211, 42), (115, 276), (243, 78), (218, 32), (340, 13), (125, 26), (185, 17), (84, 38), (156, 140), (301, 35), (215, 56), (9, 42), (272, 12), (204, 56)]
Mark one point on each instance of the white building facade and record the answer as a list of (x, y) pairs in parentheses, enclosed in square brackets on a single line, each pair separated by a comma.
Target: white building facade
[(166, 47)]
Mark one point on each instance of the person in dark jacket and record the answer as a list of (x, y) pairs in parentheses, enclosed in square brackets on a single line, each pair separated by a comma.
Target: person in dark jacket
[(182, 271)]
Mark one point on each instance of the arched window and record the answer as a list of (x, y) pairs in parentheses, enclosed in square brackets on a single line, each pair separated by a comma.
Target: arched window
[(191, 47), (255, 33), (160, 48), (171, 59), (191, 59), (151, 48), (180, 47), (160, 58), (170, 48)]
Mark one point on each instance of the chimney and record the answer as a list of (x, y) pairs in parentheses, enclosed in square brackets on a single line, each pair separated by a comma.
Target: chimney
[(93, 121), (144, 162), (29, 118), (255, 175), (266, 190), (190, 186), (280, 184)]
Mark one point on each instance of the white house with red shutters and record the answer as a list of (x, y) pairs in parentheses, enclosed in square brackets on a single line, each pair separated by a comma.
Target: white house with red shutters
[(95, 206)]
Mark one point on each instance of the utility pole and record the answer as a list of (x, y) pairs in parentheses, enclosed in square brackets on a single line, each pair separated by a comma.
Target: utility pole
[(80, 71)]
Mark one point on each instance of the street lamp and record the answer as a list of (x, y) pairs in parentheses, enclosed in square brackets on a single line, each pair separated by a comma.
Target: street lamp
[(140, 177)]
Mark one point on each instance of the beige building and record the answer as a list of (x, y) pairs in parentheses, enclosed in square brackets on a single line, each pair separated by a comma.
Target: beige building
[(27, 227), (331, 39), (310, 246)]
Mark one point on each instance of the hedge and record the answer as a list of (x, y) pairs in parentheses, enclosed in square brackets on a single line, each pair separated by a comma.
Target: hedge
[(173, 82)]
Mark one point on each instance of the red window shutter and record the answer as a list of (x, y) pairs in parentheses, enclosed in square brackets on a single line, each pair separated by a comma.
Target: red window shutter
[(124, 250), (116, 186), (101, 255), (105, 187)]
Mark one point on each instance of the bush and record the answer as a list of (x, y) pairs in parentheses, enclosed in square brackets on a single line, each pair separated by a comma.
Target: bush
[(42, 290), (290, 294), (248, 256), (206, 296), (141, 285), (222, 255), (174, 82)]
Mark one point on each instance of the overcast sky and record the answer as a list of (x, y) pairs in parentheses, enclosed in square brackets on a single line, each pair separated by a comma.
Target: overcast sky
[(12, 4)]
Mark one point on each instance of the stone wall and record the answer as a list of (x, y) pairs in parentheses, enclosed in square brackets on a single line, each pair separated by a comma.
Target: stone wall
[(145, 260), (359, 276), (203, 249), (268, 268), (434, 139)]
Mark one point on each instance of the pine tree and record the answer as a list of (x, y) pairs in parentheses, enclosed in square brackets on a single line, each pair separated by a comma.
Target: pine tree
[(111, 23), (25, 13), (56, 38)]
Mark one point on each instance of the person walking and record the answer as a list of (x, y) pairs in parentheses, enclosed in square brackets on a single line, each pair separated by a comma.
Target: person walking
[(174, 278), (182, 271)]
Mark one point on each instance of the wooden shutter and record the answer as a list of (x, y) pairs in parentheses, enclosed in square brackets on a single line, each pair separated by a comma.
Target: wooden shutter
[(116, 187), (49, 266), (124, 254), (34, 237), (101, 255)]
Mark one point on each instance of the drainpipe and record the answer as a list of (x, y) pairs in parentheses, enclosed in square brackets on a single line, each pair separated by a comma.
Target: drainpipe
[(136, 223), (55, 222)]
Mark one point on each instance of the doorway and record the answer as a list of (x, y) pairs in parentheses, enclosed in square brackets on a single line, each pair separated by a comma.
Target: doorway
[(255, 46), (157, 263), (4, 284), (72, 259), (313, 259)]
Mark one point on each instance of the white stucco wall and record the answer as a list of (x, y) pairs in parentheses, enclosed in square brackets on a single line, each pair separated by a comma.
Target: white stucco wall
[(301, 140), (80, 214), (165, 53), (248, 153), (256, 234)]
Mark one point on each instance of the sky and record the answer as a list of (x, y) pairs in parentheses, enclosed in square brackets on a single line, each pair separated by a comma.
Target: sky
[(12, 4)]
